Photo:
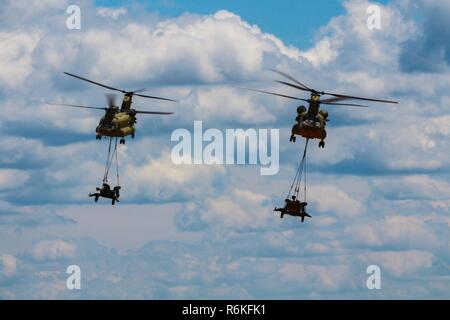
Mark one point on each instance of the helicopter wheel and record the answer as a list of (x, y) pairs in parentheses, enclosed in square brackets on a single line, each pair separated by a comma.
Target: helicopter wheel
[(122, 141), (322, 144), (293, 139), (98, 137)]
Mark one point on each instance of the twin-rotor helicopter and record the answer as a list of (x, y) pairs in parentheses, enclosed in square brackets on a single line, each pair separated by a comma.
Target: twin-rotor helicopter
[(311, 121), (117, 122)]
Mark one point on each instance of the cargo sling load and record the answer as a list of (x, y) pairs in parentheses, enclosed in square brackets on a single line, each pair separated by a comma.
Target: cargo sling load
[(105, 191), (293, 205)]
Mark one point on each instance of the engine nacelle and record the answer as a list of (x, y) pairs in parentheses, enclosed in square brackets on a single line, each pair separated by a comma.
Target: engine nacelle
[(324, 114), (301, 110)]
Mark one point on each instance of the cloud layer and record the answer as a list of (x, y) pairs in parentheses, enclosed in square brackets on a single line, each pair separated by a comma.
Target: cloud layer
[(378, 193)]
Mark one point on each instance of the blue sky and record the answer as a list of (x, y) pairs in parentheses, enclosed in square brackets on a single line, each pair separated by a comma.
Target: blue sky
[(379, 192), (295, 22)]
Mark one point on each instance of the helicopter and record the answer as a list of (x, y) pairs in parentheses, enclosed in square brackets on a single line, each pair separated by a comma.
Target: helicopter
[(311, 121), (117, 122)]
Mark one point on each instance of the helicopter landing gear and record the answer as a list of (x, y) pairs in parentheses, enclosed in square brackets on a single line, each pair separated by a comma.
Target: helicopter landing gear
[(322, 144), (132, 136), (293, 139), (98, 137), (122, 141)]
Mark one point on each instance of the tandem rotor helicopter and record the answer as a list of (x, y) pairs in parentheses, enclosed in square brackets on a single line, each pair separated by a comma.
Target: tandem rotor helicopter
[(117, 122), (311, 124), (311, 121)]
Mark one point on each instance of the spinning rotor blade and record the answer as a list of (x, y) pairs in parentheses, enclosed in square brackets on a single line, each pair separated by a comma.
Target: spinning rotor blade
[(74, 106), (153, 112), (359, 98), (290, 78), (338, 97), (331, 100), (274, 94), (140, 90), (96, 83), (345, 105), (152, 97), (294, 86), (120, 90), (111, 98)]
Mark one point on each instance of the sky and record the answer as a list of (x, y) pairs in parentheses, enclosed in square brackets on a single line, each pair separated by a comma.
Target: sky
[(295, 22), (378, 193)]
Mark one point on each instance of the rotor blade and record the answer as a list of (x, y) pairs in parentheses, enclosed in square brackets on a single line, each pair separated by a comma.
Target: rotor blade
[(345, 105), (290, 78), (96, 83), (294, 86), (153, 97), (335, 99), (359, 98), (153, 112), (74, 106), (140, 90), (274, 94), (111, 98)]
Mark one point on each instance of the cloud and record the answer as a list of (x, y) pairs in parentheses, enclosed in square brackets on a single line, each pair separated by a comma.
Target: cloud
[(113, 13), (16, 57), (322, 53), (181, 50), (53, 249), (12, 178), (401, 231), (165, 181), (232, 107), (329, 277), (377, 193), (17, 216), (336, 201), (428, 51), (402, 263), (238, 209), (414, 187), (9, 265), (348, 42)]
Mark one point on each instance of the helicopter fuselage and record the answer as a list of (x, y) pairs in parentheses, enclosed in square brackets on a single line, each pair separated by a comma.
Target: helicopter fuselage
[(311, 122), (309, 130), (119, 124)]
